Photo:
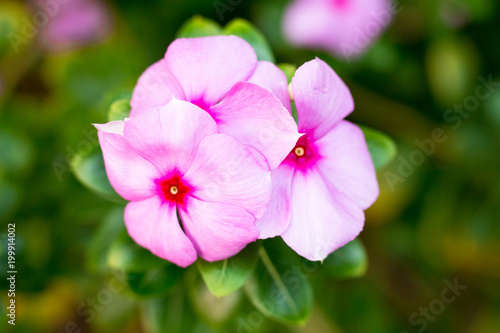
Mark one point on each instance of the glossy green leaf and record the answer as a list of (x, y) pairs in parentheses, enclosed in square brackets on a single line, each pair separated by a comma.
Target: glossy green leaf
[(254, 37), (289, 71), (108, 231), (90, 171), (382, 148), (211, 308), (226, 276), (199, 27), (125, 254), (119, 109), (156, 281), (280, 292), (350, 261), (170, 314)]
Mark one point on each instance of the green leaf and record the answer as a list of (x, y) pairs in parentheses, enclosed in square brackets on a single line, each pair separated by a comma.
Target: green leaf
[(111, 227), (199, 27), (382, 148), (350, 261), (16, 151), (171, 314), (90, 171), (226, 276), (254, 37), (208, 307), (279, 292), (154, 282), (125, 254), (289, 71), (119, 109)]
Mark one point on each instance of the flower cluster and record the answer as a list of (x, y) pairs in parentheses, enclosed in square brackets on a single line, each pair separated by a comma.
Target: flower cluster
[(211, 158)]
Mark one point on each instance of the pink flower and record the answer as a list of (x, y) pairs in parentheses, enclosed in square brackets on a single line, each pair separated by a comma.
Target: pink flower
[(75, 23), (209, 72), (170, 159), (322, 187), (344, 27)]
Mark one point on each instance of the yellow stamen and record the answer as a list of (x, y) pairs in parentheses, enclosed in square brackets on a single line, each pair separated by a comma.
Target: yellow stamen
[(174, 190), (299, 151)]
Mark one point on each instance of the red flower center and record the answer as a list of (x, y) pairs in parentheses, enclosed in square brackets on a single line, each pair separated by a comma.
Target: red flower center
[(173, 189), (299, 151), (304, 155)]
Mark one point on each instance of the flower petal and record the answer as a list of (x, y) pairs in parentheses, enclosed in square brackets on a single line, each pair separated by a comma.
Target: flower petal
[(256, 118), (208, 67), (156, 86), (225, 171), (322, 220), (131, 176), (154, 225), (321, 97), (306, 23), (277, 216), (169, 135), (347, 164), (345, 28), (218, 231), (268, 76)]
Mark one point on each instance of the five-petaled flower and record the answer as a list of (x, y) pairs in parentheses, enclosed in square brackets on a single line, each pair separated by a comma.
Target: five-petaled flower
[(344, 27), (209, 72), (170, 160), (322, 187)]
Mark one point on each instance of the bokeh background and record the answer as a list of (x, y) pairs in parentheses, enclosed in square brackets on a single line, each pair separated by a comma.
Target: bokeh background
[(436, 219)]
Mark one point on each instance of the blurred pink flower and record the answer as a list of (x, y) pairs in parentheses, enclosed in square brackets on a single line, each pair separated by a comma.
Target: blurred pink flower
[(208, 72), (75, 23), (322, 187), (344, 27), (170, 159)]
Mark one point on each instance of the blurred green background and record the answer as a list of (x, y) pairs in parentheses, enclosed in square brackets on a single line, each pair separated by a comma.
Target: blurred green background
[(436, 219)]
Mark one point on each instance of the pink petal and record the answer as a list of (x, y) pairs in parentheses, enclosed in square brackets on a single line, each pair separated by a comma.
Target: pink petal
[(277, 216), (224, 171), (347, 164), (218, 231), (156, 86), (307, 23), (131, 176), (344, 27), (270, 77), (321, 97), (168, 135), (208, 67), (75, 23), (322, 220), (254, 117), (154, 225)]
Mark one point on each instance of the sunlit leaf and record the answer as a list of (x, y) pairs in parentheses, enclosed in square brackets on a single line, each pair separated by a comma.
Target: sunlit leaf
[(211, 308), (119, 109), (199, 27), (125, 254), (90, 171), (382, 148), (289, 71), (254, 37), (280, 292), (226, 276), (350, 261)]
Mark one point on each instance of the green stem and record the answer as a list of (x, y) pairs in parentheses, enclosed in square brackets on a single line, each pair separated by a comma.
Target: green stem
[(277, 278)]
